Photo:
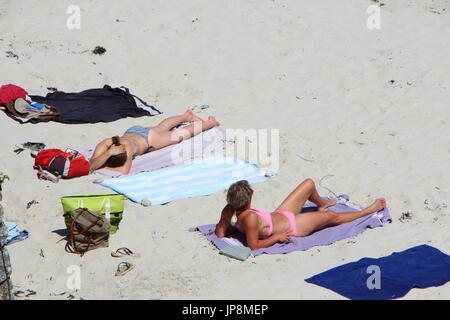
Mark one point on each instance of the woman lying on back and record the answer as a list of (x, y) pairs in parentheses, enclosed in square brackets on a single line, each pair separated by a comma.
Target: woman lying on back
[(117, 153), (263, 229)]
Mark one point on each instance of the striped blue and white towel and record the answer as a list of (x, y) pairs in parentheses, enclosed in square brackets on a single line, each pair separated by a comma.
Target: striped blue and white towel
[(196, 178)]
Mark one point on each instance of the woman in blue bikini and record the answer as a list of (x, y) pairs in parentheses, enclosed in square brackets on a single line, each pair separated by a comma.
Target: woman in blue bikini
[(263, 229), (117, 153)]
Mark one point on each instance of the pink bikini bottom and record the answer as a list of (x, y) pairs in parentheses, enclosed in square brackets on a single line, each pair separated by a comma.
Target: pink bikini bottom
[(291, 218)]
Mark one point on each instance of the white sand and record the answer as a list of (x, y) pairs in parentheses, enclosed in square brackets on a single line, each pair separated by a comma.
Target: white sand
[(310, 68)]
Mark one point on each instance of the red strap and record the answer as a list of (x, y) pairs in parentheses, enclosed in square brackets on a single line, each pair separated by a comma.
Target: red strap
[(72, 233)]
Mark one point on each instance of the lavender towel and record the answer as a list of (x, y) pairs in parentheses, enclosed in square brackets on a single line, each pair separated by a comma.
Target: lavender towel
[(198, 146), (320, 238)]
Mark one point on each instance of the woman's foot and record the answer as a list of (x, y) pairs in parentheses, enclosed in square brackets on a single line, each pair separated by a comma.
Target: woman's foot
[(378, 205), (190, 116), (326, 204), (213, 122)]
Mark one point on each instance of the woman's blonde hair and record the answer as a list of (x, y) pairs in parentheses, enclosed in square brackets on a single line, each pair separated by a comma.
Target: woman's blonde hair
[(239, 195)]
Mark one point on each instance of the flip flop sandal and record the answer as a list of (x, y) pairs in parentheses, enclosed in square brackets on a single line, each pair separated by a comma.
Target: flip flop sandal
[(122, 252), (22, 107), (30, 293), (19, 293), (18, 108), (123, 268), (26, 294), (26, 110)]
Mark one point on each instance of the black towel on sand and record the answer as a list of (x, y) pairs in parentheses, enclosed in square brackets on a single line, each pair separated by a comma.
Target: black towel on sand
[(94, 105)]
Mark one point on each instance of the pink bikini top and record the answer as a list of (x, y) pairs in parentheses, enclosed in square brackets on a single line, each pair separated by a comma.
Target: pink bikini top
[(266, 217)]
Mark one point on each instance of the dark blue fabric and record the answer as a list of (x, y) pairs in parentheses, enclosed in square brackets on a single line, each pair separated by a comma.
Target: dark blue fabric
[(418, 267), (93, 105)]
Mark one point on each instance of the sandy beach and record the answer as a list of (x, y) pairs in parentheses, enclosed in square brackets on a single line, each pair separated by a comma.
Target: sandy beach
[(366, 112)]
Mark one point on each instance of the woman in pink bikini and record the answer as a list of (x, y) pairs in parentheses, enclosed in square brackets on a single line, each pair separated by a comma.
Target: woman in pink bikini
[(263, 229)]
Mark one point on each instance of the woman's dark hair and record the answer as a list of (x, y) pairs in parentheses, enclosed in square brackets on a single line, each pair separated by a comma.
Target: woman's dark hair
[(117, 160), (239, 195)]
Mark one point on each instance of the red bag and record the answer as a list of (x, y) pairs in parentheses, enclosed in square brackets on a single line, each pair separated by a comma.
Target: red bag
[(10, 93), (63, 164)]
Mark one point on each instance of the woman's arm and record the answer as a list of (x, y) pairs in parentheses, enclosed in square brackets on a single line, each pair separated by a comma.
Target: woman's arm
[(125, 169), (223, 228), (251, 225), (101, 154)]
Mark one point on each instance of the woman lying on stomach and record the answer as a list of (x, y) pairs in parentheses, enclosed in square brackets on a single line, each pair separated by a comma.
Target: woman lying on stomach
[(117, 153), (263, 229)]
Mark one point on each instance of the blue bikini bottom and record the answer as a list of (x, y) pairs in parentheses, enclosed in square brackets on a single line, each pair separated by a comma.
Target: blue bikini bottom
[(140, 131)]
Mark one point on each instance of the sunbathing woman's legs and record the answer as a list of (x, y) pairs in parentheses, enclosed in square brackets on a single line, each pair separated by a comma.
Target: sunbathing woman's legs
[(309, 222), (162, 135), (312, 221), (304, 191), (172, 122)]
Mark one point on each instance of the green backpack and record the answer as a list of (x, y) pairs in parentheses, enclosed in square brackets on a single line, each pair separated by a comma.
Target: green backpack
[(108, 205)]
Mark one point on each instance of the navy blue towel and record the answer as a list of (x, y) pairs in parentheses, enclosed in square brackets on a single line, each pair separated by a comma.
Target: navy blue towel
[(388, 277), (95, 105)]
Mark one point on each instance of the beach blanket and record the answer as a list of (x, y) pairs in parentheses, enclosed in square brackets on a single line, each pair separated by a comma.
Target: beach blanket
[(388, 277), (198, 146), (14, 233), (94, 105), (197, 178), (320, 238)]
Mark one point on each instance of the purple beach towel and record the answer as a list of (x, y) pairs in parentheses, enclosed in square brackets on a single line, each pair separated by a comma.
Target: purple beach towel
[(320, 238), (198, 146)]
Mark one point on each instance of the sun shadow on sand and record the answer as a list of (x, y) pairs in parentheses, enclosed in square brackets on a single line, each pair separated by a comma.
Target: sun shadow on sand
[(61, 232)]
